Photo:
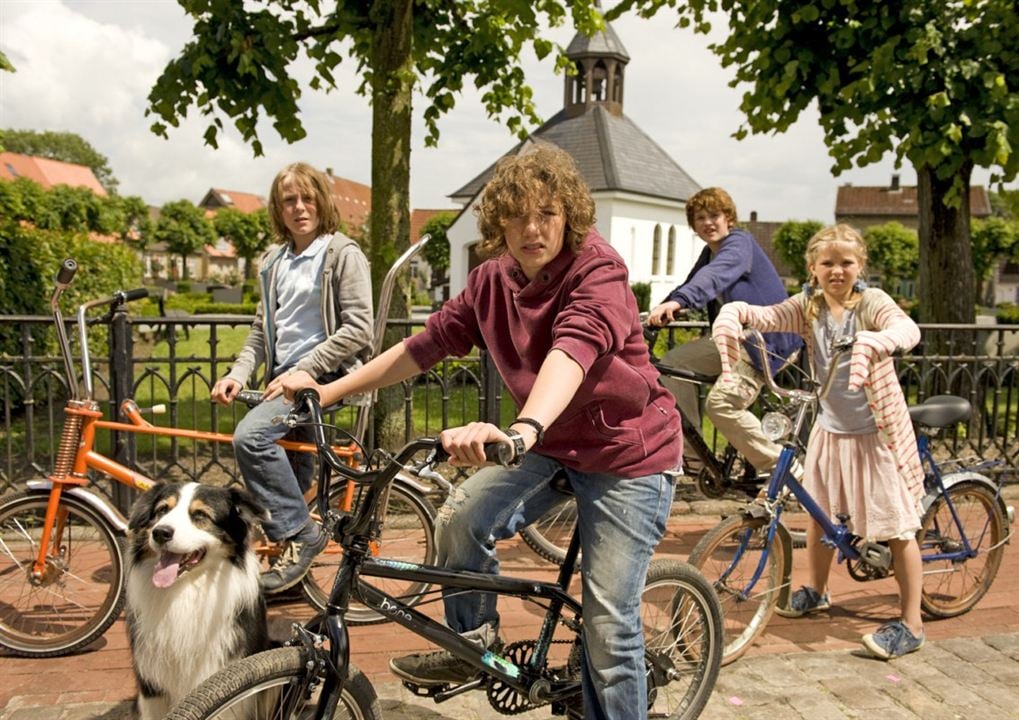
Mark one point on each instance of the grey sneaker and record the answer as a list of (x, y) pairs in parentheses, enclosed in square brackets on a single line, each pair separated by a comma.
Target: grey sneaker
[(290, 567), (440, 667), (804, 601), (892, 640)]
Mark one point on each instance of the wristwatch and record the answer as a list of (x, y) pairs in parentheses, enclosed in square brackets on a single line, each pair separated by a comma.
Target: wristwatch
[(519, 448)]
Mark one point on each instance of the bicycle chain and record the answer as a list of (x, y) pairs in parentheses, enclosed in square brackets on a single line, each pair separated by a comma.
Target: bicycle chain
[(504, 698)]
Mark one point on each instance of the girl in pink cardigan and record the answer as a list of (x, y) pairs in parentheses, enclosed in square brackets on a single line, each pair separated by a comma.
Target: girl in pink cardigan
[(861, 456)]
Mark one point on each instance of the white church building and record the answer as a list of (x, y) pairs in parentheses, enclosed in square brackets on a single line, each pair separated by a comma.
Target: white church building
[(639, 191)]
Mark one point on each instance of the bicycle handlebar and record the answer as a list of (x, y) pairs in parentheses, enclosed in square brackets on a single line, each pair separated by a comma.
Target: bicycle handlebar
[(840, 346)]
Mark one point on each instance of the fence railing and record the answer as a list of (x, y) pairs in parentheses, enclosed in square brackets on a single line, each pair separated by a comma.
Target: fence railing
[(176, 361)]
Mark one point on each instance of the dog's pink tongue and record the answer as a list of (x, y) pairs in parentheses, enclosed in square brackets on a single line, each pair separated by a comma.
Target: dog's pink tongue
[(165, 573)]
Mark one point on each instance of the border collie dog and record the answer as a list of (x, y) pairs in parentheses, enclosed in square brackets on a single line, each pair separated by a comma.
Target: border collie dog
[(193, 601)]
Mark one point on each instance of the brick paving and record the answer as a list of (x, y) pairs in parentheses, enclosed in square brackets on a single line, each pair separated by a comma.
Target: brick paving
[(807, 668)]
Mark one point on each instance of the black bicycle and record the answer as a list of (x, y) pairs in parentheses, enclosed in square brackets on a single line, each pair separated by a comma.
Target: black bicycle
[(312, 676)]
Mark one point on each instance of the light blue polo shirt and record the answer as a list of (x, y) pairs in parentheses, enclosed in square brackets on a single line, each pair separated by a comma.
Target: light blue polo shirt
[(298, 315)]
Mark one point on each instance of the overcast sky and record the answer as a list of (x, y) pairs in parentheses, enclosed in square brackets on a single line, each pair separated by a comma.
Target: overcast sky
[(86, 66)]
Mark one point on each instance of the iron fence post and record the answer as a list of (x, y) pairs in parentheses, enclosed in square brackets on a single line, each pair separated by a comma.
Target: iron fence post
[(493, 387), (121, 382)]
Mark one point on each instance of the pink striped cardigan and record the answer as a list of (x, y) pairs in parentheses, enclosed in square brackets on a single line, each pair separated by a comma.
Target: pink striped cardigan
[(882, 328)]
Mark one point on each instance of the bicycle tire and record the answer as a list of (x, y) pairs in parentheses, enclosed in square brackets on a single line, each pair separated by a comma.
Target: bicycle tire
[(81, 593), (408, 535), (249, 690), (682, 621), (550, 535), (720, 552), (953, 587)]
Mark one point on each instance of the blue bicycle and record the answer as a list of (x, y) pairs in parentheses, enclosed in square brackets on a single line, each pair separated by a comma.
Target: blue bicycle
[(965, 525)]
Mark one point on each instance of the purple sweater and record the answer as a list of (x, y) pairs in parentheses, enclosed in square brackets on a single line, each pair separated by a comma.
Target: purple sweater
[(621, 420)]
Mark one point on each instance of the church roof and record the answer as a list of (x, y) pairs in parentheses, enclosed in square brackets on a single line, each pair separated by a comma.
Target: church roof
[(611, 152), (605, 43)]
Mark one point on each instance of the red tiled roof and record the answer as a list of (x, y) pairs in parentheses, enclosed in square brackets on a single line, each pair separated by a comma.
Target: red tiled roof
[(245, 202), (869, 200), (354, 201), (420, 216), (48, 173)]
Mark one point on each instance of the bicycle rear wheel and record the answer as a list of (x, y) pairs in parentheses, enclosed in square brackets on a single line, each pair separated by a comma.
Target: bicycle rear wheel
[(954, 585), (683, 639), (408, 535), (729, 556), (81, 591), (550, 535), (264, 686)]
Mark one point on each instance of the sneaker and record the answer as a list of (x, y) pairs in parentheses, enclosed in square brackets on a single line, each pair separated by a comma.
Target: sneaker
[(892, 640), (293, 563), (436, 668), (804, 601)]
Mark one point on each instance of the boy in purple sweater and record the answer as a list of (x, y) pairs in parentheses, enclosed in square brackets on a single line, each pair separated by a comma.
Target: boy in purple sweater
[(732, 267), (554, 309)]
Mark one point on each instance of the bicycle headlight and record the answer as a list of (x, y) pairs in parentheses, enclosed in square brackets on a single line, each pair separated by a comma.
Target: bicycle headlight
[(776, 426)]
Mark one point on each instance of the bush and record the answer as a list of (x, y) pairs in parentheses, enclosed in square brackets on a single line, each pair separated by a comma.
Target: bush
[(1008, 314), (183, 287), (642, 291)]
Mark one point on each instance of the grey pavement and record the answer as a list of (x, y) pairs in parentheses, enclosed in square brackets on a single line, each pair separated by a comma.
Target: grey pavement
[(953, 679)]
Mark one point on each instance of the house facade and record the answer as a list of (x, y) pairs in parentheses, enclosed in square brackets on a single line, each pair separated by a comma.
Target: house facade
[(639, 191)]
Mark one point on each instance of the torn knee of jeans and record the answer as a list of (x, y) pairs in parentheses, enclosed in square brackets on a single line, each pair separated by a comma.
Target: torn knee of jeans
[(454, 502)]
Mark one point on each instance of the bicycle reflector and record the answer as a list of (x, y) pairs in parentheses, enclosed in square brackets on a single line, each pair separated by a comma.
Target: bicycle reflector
[(776, 426)]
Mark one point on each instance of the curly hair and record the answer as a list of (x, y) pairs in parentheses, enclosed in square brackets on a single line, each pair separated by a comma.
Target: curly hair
[(523, 183), (305, 179), (840, 233), (711, 200)]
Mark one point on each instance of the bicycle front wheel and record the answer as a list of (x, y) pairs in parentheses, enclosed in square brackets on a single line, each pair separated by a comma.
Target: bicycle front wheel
[(274, 685), (952, 582), (683, 639), (730, 556), (408, 534), (550, 535), (81, 589)]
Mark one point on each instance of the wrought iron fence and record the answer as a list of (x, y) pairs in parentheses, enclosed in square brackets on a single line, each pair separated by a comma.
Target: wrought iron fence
[(175, 361)]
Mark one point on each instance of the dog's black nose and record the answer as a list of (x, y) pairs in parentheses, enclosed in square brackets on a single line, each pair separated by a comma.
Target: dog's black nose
[(162, 534)]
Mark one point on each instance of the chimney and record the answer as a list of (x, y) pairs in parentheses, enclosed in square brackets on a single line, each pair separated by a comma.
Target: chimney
[(329, 171), (895, 182), (753, 216)]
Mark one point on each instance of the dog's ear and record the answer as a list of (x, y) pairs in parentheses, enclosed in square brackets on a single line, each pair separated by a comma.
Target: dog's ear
[(144, 507), (245, 504)]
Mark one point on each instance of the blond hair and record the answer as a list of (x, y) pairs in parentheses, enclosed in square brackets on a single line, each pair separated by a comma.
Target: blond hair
[(521, 184), (305, 179), (840, 233)]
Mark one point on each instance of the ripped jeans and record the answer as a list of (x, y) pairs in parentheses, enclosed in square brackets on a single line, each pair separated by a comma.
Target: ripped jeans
[(621, 521)]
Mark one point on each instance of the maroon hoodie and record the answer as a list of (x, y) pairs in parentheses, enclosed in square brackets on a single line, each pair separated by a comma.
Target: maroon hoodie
[(621, 420)]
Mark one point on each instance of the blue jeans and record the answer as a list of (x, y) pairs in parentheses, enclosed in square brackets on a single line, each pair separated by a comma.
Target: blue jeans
[(276, 478), (621, 521)]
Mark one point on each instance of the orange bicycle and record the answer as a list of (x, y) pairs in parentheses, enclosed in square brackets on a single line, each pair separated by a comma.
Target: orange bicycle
[(62, 552)]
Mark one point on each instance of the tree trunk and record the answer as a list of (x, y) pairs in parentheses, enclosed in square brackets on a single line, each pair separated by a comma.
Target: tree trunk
[(947, 283), (392, 85)]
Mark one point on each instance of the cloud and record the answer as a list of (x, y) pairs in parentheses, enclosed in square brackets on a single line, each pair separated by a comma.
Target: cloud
[(87, 67)]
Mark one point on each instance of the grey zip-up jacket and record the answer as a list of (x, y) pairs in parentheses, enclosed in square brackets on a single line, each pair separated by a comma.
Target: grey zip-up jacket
[(347, 315)]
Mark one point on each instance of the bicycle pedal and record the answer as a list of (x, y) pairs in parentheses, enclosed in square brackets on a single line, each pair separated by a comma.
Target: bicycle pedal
[(428, 691), (876, 555)]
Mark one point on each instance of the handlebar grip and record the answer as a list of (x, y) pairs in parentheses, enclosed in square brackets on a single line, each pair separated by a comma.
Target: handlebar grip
[(251, 398), (67, 270), (499, 453), (136, 294)]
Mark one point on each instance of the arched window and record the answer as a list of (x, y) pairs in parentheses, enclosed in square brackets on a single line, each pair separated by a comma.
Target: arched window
[(600, 80), (670, 254), (656, 251)]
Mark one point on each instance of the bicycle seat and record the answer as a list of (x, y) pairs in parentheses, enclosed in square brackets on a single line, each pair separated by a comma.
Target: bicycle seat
[(941, 411)]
